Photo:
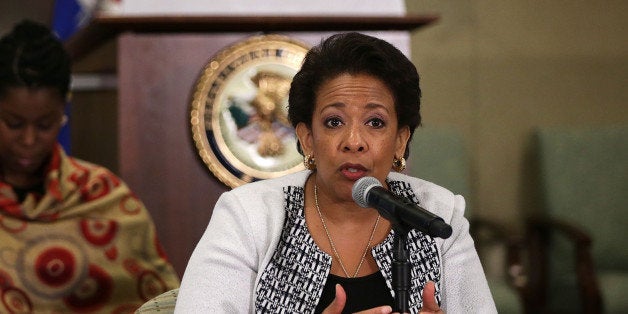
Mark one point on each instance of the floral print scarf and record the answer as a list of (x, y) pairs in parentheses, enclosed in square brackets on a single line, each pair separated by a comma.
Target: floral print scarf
[(87, 244)]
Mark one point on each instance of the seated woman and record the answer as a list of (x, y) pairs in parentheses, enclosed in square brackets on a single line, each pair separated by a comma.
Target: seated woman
[(73, 237), (300, 243)]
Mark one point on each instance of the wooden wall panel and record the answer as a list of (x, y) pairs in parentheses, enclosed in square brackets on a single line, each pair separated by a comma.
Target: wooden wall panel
[(157, 157)]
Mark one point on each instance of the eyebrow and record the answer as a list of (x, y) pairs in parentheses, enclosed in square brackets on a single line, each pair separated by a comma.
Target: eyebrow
[(13, 115), (8, 113), (368, 106)]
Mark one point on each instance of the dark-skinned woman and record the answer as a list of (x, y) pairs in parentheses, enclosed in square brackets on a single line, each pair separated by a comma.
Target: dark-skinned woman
[(73, 237), (300, 243)]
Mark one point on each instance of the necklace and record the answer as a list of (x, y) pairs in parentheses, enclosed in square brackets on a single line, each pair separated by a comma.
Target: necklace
[(331, 242)]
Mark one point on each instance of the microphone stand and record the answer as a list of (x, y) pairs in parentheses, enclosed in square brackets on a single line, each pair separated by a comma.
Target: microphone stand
[(400, 268)]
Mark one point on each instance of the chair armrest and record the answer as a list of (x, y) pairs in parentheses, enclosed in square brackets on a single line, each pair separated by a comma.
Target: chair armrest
[(493, 231), (576, 234), (484, 230), (538, 231)]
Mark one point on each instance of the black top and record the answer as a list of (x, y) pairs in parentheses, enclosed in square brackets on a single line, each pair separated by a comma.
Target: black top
[(21, 193), (362, 292)]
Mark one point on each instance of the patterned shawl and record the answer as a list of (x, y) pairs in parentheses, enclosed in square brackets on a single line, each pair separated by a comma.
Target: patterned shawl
[(87, 245)]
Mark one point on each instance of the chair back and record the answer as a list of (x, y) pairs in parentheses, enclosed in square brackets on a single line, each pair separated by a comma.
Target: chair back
[(584, 180), (440, 156)]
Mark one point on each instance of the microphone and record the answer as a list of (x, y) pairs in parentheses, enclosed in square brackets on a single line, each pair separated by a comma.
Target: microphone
[(369, 192)]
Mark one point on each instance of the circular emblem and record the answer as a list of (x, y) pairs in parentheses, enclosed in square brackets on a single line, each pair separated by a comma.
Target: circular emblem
[(239, 115)]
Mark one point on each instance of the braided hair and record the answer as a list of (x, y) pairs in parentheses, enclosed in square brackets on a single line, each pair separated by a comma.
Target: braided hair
[(32, 56)]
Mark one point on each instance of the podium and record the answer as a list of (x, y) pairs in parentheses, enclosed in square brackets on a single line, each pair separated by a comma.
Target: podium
[(159, 61)]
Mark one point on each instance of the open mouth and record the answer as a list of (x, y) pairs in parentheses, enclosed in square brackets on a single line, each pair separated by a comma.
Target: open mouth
[(352, 171)]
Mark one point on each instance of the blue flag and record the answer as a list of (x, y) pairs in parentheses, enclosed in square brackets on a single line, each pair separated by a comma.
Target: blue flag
[(68, 17)]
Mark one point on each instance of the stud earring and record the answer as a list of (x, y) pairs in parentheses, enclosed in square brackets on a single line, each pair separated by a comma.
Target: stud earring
[(64, 120), (309, 162), (399, 164)]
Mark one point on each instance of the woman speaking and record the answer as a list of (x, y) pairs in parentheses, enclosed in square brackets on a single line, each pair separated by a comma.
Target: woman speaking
[(300, 243)]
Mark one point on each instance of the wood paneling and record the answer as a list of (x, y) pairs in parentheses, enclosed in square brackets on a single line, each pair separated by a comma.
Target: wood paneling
[(157, 157), (102, 28)]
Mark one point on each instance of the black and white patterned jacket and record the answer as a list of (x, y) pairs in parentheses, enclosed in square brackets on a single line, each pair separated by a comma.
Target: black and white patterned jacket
[(258, 256)]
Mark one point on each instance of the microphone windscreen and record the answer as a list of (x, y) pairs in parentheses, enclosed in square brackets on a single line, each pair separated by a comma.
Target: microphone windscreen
[(361, 188)]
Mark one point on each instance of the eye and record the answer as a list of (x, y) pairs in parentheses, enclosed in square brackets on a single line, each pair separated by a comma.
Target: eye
[(13, 125), (376, 123), (45, 126), (333, 122), (48, 123)]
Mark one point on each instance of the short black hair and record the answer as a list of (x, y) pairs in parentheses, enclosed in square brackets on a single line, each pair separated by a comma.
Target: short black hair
[(356, 53), (31, 55)]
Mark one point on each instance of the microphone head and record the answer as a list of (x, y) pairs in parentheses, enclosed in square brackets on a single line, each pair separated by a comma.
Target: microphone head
[(361, 189)]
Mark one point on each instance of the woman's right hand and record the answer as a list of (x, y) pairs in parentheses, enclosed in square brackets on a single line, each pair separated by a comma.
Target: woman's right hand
[(338, 304)]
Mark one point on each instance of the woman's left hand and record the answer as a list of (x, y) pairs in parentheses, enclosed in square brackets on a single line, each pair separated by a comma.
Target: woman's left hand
[(429, 300)]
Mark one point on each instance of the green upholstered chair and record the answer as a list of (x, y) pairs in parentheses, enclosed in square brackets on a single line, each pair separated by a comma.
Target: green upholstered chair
[(440, 156), (582, 256), (161, 304)]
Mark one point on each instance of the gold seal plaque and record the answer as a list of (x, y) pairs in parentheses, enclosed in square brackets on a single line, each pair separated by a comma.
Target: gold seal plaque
[(239, 110)]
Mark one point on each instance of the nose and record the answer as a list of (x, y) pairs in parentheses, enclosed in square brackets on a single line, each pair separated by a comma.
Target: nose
[(29, 136), (354, 141)]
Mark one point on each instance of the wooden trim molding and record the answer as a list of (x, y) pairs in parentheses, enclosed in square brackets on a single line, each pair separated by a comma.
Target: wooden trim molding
[(103, 28)]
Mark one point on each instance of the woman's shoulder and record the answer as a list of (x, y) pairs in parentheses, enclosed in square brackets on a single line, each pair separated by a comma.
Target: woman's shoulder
[(90, 171), (85, 175), (262, 188), (421, 185), (269, 194), (260, 205), (88, 165), (77, 164)]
